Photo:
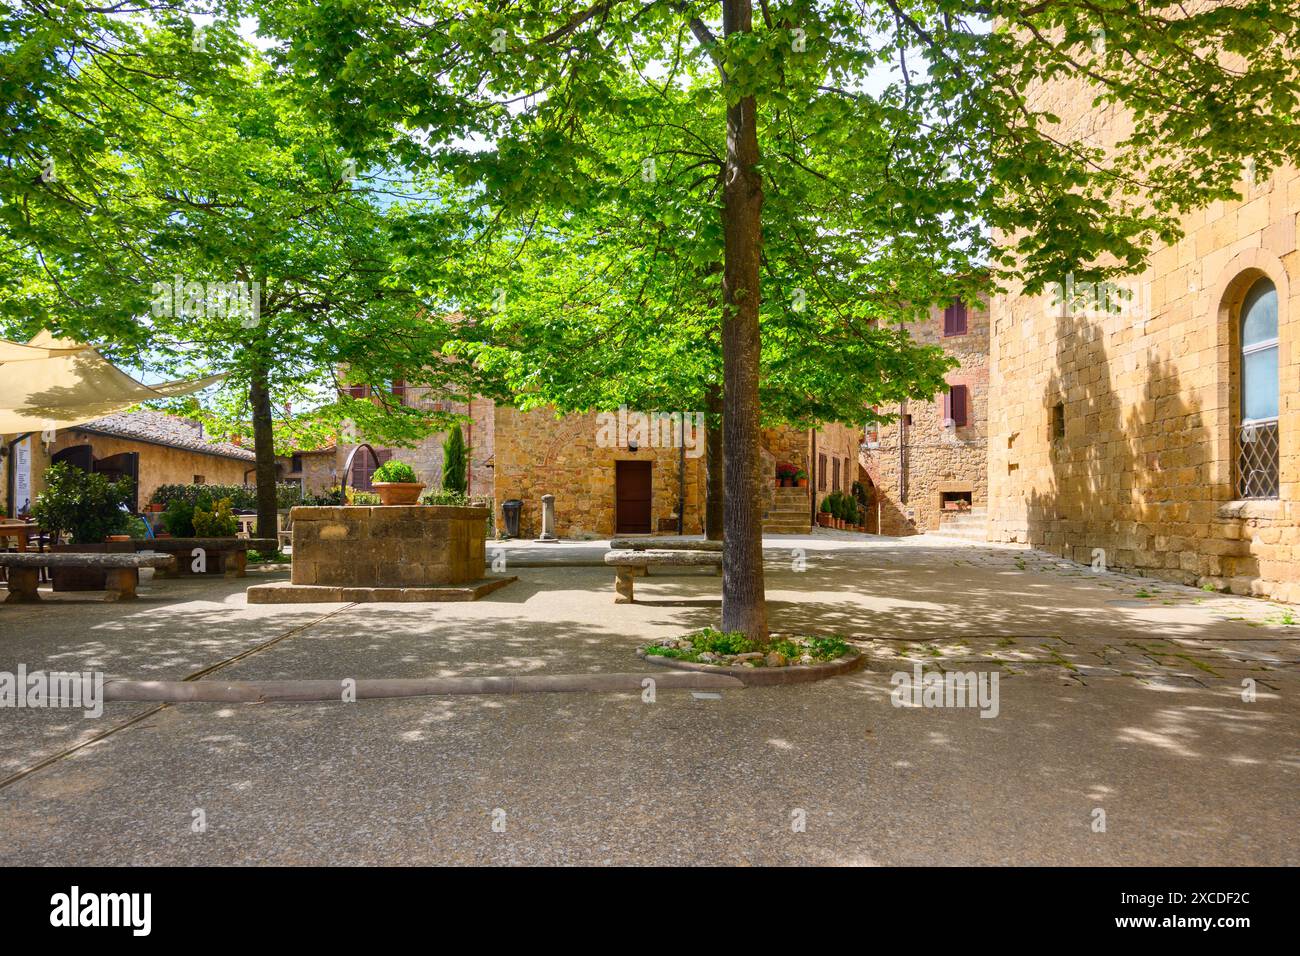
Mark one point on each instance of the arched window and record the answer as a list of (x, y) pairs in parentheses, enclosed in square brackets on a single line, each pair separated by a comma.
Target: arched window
[(1257, 460)]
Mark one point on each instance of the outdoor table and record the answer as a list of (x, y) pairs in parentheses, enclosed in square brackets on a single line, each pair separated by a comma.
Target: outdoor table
[(23, 531)]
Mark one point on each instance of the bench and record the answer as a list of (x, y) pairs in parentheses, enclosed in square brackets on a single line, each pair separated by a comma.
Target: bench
[(227, 556), (629, 564), (122, 570), (663, 544)]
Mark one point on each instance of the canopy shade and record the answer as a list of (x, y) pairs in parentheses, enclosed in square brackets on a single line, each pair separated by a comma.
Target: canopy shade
[(57, 383)]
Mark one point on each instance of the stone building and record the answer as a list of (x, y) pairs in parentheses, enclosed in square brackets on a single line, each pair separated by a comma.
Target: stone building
[(1158, 430), (928, 469), (152, 447)]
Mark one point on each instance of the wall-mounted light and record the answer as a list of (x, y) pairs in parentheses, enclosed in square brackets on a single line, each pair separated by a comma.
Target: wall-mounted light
[(632, 446)]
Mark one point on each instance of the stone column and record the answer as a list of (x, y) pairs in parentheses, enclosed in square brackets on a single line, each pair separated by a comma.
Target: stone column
[(548, 519)]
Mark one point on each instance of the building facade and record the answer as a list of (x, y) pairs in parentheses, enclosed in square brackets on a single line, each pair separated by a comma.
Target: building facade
[(928, 469), (1160, 432)]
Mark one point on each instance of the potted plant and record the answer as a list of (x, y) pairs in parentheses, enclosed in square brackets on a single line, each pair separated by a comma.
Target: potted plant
[(397, 484), (82, 509), (215, 522), (785, 473), (801, 478), (824, 516)]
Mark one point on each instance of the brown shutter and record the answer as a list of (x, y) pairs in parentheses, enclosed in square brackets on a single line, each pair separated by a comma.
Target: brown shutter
[(960, 405), (954, 318)]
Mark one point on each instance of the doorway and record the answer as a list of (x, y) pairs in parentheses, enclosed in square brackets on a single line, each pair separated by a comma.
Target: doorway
[(631, 497)]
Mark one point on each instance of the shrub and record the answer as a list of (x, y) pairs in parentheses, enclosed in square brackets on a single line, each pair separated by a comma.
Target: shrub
[(242, 497), (178, 519), (826, 506), (363, 498), (326, 499), (826, 648), (395, 471), (215, 523), (454, 461), (454, 499), (86, 505), (721, 642)]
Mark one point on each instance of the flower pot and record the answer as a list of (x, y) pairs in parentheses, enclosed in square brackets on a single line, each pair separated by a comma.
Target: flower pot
[(801, 482), (823, 519), (399, 492), (118, 537)]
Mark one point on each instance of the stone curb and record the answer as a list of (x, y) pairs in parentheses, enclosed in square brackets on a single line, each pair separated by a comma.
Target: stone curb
[(234, 692), (765, 676)]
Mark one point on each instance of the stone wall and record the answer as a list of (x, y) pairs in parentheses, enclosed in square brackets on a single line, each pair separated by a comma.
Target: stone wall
[(912, 466), (1143, 476), (393, 546), (537, 453)]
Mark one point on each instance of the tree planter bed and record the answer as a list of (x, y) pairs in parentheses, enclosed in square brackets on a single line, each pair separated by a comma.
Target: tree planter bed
[(766, 676)]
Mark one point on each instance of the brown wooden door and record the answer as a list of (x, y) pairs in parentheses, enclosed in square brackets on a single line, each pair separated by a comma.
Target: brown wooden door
[(632, 497)]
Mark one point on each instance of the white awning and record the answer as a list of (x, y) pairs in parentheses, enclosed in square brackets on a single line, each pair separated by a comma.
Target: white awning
[(51, 383)]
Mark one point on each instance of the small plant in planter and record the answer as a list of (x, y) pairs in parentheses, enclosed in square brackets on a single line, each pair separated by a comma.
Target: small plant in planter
[(785, 473), (801, 478), (397, 483), (825, 513), (733, 649)]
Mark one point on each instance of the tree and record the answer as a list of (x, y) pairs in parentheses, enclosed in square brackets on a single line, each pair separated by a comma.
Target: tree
[(950, 137), (217, 224), (453, 461)]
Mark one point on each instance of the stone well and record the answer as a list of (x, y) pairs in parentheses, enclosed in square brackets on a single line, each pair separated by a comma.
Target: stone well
[(393, 546)]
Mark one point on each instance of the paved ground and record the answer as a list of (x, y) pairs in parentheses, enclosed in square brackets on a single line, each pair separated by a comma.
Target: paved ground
[(1116, 693)]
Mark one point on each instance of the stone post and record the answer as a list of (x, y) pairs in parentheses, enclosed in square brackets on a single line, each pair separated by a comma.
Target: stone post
[(548, 519)]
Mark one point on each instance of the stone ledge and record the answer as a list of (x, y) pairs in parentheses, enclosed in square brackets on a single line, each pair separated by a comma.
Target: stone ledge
[(283, 592), (1266, 508), (765, 676)]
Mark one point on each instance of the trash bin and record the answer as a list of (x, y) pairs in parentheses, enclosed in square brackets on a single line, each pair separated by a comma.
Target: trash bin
[(510, 511)]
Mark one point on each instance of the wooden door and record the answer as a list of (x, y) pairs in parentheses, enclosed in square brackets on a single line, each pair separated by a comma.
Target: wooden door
[(632, 497)]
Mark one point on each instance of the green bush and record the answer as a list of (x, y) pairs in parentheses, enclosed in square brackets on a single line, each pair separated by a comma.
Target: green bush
[(326, 499), (826, 506), (178, 519), (395, 471), (363, 498), (217, 522), (721, 642), (85, 505), (242, 497)]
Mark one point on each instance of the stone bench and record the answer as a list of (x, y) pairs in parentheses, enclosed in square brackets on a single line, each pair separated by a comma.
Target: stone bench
[(663, 544), (227, 556), (629, 564), (122, 571)]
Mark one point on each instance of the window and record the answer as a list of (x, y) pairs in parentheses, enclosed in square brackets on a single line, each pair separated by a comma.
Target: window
[(835, 474), (821, 472), (295, 463), (954, 318), (356, 391), (956, 405), (1058, 421), (1257, 455), (398, 387), (199, 480)]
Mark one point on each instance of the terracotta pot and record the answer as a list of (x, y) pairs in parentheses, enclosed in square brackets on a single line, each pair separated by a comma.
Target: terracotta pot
[(118, 537), (399, 492), (823, 519), (801, 482)]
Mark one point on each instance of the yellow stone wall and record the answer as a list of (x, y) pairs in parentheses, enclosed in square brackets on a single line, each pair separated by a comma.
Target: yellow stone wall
[(1144, 475)]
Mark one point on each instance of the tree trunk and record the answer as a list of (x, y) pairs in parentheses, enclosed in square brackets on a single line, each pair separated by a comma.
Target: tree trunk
[(715, 483), (743, 607), (259, 396)]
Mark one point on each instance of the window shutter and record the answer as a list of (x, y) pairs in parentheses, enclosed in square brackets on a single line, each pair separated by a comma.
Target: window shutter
[(399, 389), (954, 318), (945, 412), (958, 398)]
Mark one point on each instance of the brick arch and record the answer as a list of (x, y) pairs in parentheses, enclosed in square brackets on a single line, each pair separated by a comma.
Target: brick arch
[(1222, 301)]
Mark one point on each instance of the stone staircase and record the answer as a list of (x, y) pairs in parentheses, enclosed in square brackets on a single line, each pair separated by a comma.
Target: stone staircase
[(788, 512), (971, 525)]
